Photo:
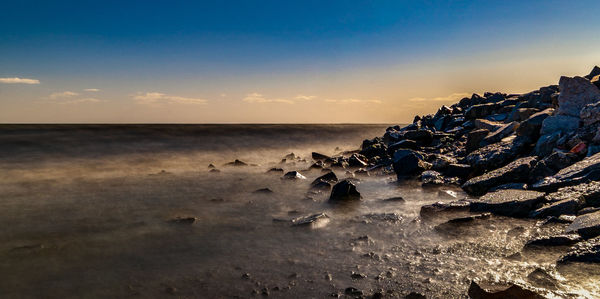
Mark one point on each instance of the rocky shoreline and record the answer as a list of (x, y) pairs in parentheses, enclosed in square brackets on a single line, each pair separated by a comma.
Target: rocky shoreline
[(533, 155)]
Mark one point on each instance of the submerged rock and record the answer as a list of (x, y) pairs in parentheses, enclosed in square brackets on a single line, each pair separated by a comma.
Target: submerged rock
[(560, 240), (344, 191), (237, 163), (314, 221), (584, 252), (293, 175), (184, 220), (516, 171), (513, 203), (441, 207), (319, 157), (587, 169), (329, 177), (263, 191), (587, 226)]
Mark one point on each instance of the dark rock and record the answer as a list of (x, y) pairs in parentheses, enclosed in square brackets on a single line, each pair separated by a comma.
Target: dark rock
[(587, 210), (415, 295), (496, 155), (395, 199), (560, 240), (546, 144), (432, 177), (583, 252), (293, 175), (500, 133), (596, 81), (590, 192), (487, 124), (562, 219), (357, 160), (314, 221), (321, 185), (184, 220), (515, 186), (423, 136), (353, 292), (531, 127), (500, 291), (587, 169), (595, 72), (329, 177), (404, 144), (356, 275), (317, 165), (559, 123), (263, 191), (575, 93), (374, 150), (344, 191), (291, 156), (568, 206), (319, 157), (214, 170), (520, 114), (237, 163), (441, 207), (541, 279), (587, 226), (479, 111), (275, 169), (513, 203), (516, 171), (590, 114), (408, 162), (382, 217), (474, 139), (457, 170), (210, 166), (559, 160)]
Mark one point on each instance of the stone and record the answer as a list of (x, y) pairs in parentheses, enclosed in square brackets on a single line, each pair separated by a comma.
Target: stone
[(441, 162), (408, 162), (263, 191), (596, 81), (313, 221), (357, 160), (583, 252), (293, 175), (474, 139), (595, 72), (374, 150), (540, 171), (558, 160), (585, 170), (487, 124), (589, 192), (344, 191), (546, 144), (184, 220), (319, 157), (542, 279), (500, 133), (496, 155), (516, 186), (481, 290), (590, 114), (329, 177), (415, 295), (575, 93), (441, 207), (403, 144), (559, 123), (275, 169), (512, 203), (588, 210), (521, 114), (587, 226), (531, 127), (559, 240), (237, 163), (568, 206), (457, 170), (514, 172), (423, 136), (480, 111)]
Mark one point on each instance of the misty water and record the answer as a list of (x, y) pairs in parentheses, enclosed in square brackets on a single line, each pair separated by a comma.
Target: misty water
[(87, 211)]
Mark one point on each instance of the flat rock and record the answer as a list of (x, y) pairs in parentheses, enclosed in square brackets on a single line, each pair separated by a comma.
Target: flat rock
[(575, 93), (500, 133), (588, 225), (560, 240), (496, 155), (585, 170), (514, 172), (568, 206), (480, 111), (487, 124), (513, 203), (482, 290), (293, 175), (344, 191), (442, 207), (583, 252), (314, 221)]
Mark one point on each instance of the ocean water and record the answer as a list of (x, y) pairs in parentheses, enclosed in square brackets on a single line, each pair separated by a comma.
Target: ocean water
[(88, 210)]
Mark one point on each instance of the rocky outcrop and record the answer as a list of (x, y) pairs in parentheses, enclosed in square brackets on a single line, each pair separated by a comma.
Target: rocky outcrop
[(510, 202), (583, 171), (587, 226), (497, 154), (514, 172)]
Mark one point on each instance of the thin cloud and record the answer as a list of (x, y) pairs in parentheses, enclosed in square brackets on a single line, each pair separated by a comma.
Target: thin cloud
[(448, 99), (62, 95), (153, 98), (304, 97), (92, 89), (260, 99), (16, 80), (80, 101), (353, 101)]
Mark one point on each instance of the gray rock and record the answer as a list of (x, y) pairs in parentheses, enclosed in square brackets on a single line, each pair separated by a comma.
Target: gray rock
[(568, 206), (344, 191), (587, 226), (514, 172), (584, 252), (513, 203), (546, 144), (314, 221), (496, 155), (474, 139), (590, 114), (559, 123), (560, 240), (532, 126), (587, 169), (575, 93), (500, 133), (408, 162)]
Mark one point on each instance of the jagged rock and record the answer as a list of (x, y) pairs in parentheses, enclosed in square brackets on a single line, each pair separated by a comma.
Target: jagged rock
[(457, 170), (314, 221), (408, 162), (487, 124), (513, 203), (595, 72), (423, 136), (584, 252), (293, 175), (560, 240), (590, 114), (587, 169), (480, 290), (319, 157), (496, 155), (546, 144), (357, 160), (441, 162), (568, 206), (521, 114), (344, 191), (515, 186), (500, 133), (575, 93), (237, 163), (514, 172), (559, 160), (559, 123), (329, 177), (474, 139), (275, 169), (479, 111), (532, 126), (374, 150), (587, 226), (403, 144), (440, 207), (596, 81)]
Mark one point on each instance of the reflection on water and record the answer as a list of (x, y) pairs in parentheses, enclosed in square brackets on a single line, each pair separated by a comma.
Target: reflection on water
[(94, 219)]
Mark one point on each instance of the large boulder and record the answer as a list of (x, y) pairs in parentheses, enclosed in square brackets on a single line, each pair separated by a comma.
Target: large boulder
[(585, 170), (587, 226), (344, 191), (546, 144), (498, 154), (408, 162), (510, 202), (531, 126), (559, 123), (514, 172), (575, 93), (583, 252)]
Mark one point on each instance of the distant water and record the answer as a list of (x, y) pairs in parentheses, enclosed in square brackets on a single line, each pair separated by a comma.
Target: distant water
[(86, 211)]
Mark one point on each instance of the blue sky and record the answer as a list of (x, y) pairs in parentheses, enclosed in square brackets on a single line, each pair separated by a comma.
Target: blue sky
[(371, 57)]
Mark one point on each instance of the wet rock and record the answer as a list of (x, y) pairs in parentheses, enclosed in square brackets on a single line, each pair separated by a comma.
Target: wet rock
[(516, 171), (457, 170), (344, 191), (500, 133), (587, 226), (214, 170), (314, 221), (546, 144), (357, 160), (583, 252), (356, 275), (395, 199), (432, 177), (455, 223), (237, 163), (587, 169), (263, 191), (532, 126), (568, 206), (275, 169), (560, 240), (374, 150), (293, 175), (479, 111), (440, 207), (319, 157), (353, 292), (382, 217), (481, 290), (513, 203), (496, 155), (474, 139), (415, 295), (541, 279), (516, 186), (184, 220), (559, 123), (211, 166), (329, 177), (408, 162), (575, 93)]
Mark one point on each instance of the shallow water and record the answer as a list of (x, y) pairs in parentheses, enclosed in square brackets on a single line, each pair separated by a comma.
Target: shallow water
[(87, 211)]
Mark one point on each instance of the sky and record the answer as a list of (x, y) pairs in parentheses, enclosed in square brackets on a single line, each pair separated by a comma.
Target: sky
[(280, 61)]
